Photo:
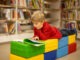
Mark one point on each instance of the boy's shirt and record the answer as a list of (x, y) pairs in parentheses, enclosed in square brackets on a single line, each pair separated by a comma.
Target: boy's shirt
[(47, 32)]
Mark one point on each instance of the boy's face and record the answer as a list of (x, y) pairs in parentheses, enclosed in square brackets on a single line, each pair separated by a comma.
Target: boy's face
[(38, 25)]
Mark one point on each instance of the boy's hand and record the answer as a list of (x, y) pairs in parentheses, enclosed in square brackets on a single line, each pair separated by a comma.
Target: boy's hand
[(35, 38)]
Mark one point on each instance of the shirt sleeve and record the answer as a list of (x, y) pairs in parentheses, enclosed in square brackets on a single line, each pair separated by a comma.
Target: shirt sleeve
[(39, 34), (55, 33)]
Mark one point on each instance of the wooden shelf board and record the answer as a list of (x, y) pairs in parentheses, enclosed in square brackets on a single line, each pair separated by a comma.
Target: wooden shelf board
[(50, 9), (46, 2), (68, 20), (52, 0), (7, 6), (69, 9)]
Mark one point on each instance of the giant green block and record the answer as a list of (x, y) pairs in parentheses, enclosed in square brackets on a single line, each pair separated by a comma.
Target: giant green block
[(26, 50)]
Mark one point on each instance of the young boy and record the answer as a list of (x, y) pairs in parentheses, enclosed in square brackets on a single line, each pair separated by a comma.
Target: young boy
[(42, 30)]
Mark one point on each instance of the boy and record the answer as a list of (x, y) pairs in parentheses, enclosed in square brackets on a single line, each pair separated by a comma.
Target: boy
[(42, 30)]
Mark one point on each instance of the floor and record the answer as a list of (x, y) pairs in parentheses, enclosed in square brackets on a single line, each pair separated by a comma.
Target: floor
[(5, 51)]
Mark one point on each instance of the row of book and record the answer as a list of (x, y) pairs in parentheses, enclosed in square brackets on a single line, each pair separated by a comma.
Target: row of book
[(24, 3), (68, 15), (68, 4), (11, 14)]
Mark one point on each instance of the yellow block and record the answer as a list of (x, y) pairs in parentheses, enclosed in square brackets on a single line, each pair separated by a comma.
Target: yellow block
[(71, 39), (51, 44), (14, 57)]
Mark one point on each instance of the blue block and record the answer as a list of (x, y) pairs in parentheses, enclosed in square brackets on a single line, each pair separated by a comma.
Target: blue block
[(50, 55), (63, 42), (62, 52)]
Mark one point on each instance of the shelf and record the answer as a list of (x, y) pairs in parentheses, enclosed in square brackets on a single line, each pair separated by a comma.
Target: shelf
[(68, 20), (78, 19), (13, 20), (46, 2), (6, 6), (65, 9), (52, 0), (51, 9)]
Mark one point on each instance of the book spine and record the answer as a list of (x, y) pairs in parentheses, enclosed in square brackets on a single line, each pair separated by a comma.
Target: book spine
[(21, 15)]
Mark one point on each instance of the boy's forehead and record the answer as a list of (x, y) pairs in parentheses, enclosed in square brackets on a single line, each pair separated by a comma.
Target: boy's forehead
[(36, 21)]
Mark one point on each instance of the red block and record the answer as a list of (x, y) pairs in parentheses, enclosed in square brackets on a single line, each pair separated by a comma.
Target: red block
[(72, 48)]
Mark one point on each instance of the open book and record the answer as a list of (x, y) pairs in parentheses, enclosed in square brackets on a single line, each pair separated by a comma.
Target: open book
[(33, 42)]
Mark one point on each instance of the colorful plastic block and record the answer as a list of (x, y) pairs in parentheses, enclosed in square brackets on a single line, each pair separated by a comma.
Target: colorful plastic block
[(38, 57), (50, 55), (63, 42), (26, 50), (71, 39), (51, 44), (72, 48), (62, 51)]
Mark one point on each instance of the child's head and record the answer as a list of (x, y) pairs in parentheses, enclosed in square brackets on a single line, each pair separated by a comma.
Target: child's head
[(38, 19)]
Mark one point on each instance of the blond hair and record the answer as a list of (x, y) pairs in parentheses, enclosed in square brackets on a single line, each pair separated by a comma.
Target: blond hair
[(38, 16)]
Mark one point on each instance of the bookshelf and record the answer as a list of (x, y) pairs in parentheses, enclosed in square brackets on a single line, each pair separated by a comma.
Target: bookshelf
[(52, 12), (70, 14), (17, 14), (58, 13)]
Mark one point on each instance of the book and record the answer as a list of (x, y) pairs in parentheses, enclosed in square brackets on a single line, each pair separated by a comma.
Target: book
[(22, 3), (5, 2), (71, 15), (64, 15), (33, 42), (16, 14), (78, 17), (68, 4), (78, 25), (30, 4), (2, 13), (21, 15), (8, 14), (13, 2), (78, 3)]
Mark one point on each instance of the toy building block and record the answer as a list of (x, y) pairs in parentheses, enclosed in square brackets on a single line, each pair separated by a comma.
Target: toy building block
[(26, 50), (62, 51), (50, 55), (51, 44), (38, 57), (71, 39), (72, 48), (63, 42)]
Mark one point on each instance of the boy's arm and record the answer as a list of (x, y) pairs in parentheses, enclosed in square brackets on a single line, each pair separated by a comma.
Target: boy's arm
[(39, 34)]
